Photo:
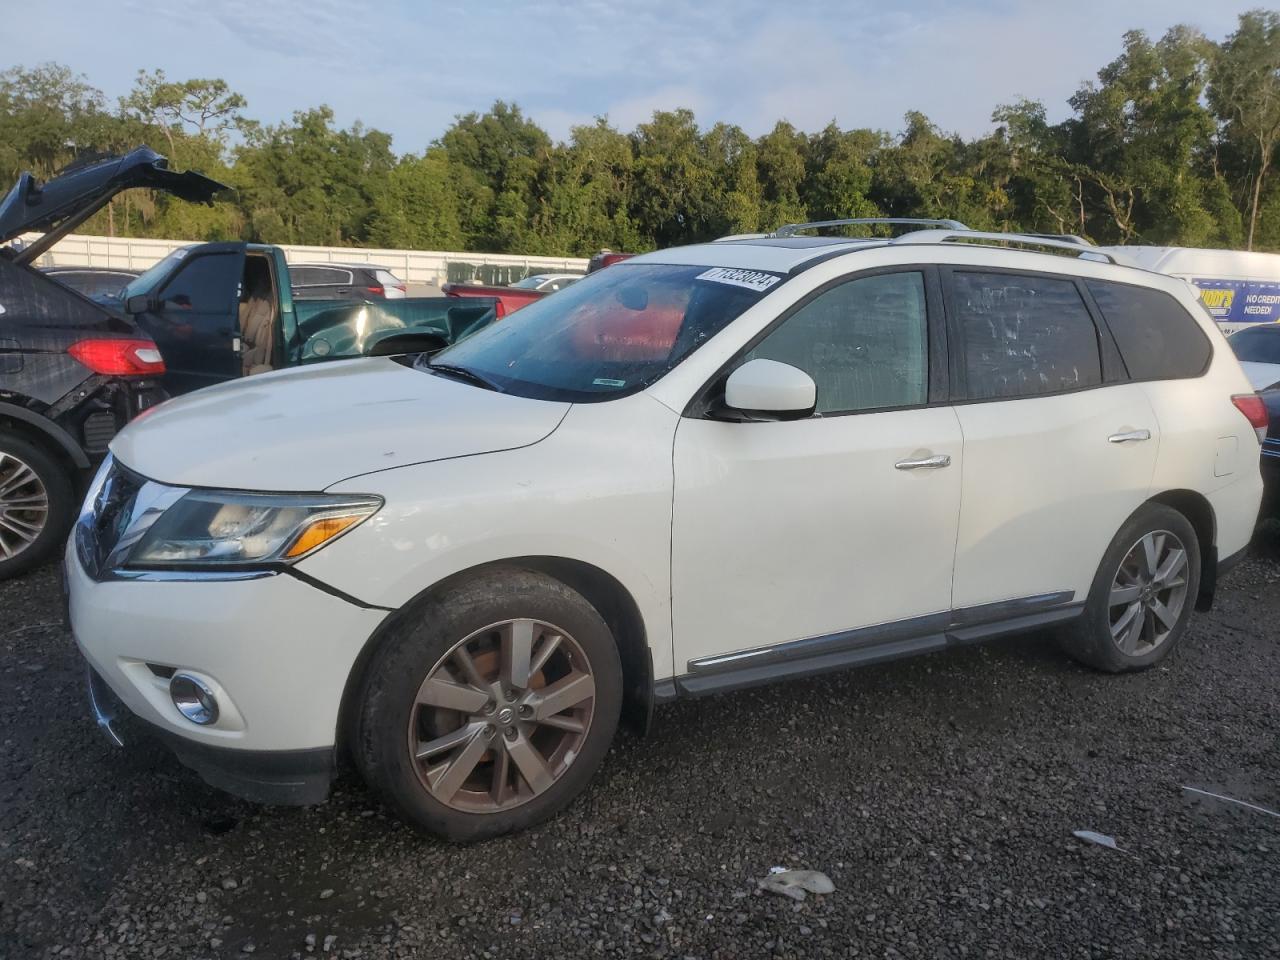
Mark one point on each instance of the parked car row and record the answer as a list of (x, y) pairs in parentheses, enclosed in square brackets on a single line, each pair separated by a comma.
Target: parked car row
[(479, 546)]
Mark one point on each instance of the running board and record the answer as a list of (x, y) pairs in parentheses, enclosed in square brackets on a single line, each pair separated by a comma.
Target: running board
[(868, 645)]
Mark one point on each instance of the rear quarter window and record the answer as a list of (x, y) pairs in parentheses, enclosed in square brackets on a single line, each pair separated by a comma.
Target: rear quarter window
[(1157, 337)]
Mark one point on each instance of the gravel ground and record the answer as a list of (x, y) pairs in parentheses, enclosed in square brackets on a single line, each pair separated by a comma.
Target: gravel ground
[(939, 794)]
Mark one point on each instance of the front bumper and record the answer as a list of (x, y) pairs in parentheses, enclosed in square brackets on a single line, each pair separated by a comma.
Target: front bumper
[(287, 777), (276, 651)]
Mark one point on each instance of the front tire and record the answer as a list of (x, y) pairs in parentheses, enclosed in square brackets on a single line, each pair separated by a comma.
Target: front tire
[(1142, 595), (37, 505), (489, 706)]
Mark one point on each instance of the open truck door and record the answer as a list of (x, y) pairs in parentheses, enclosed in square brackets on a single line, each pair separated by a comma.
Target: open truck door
[(192, 313)]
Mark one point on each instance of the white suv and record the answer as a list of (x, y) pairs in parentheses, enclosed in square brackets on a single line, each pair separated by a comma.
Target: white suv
[(702, 469)]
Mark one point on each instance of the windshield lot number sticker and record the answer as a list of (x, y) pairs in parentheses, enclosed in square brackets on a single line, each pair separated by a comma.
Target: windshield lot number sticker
[(751, 279)]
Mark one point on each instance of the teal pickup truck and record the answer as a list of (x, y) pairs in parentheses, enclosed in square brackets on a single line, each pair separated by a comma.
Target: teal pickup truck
[(223, 310)]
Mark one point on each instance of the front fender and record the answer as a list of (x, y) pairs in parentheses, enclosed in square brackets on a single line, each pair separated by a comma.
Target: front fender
[(597, 491)]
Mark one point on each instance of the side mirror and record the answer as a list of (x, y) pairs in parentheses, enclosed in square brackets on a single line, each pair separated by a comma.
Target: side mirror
[(769, 390), (140, 304)]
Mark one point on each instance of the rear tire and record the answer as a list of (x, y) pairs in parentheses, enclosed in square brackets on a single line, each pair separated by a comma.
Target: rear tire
[(37, 505), (489, 706), (1142, 595)]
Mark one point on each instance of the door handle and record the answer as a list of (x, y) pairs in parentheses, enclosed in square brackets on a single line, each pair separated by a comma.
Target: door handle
[(1130, 436), (925, 463)]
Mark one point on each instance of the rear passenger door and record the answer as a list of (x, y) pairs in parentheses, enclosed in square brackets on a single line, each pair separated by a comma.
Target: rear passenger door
[(1059, 446)]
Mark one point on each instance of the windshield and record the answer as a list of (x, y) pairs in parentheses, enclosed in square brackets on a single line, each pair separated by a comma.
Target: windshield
[(146, 282), (611, 334), (1256, 344), (530, 283)]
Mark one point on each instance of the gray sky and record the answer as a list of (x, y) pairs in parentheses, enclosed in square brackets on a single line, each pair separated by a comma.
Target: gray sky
[(408, 67)]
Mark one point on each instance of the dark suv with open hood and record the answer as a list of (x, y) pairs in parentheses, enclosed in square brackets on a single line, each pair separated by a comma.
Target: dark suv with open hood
[(72, 371)]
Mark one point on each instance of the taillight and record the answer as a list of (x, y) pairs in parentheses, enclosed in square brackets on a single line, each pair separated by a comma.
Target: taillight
[(375, 291), (499, 310), (119, 358), (1255, 411)]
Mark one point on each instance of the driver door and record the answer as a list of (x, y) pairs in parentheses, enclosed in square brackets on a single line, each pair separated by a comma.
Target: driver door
[(831, 536), (194, 320)]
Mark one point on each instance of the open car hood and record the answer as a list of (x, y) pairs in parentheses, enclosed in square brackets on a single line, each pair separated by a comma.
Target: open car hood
[(58, 205)]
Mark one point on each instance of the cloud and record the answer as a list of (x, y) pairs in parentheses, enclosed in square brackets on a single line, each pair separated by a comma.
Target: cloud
[(408, 67)]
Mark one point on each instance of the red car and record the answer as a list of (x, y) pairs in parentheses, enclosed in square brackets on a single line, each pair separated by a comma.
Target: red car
[(510, 299)]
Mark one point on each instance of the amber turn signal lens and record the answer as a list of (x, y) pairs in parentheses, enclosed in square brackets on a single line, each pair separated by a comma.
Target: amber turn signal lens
[(320, 531)]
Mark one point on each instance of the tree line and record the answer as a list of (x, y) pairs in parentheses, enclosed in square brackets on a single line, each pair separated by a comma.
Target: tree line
[(1173, 143)]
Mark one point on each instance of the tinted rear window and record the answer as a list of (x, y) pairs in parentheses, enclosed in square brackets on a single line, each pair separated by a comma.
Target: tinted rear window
[(1158, 339), (1024, 335)]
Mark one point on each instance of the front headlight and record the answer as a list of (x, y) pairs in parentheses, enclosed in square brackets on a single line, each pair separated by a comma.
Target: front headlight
[(226, 528)]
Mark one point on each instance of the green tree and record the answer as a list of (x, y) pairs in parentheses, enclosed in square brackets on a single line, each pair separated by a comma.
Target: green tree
[(838, 173), (780, 159), (1142, 140), (1244, 91), (675, 180), (417, 206), (309, 182), (738, 199), (501, 151), (48, 116)]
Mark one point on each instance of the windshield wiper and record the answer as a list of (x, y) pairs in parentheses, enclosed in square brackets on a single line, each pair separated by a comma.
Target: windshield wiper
[(463, 373)]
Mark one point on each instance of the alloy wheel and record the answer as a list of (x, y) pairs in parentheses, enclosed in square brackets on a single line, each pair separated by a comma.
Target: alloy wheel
[(501, 716), (1148, 593), (24, 506)]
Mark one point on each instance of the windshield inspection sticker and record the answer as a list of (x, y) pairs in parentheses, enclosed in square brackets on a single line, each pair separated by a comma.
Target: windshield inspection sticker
[(751, 279), (606, 382)]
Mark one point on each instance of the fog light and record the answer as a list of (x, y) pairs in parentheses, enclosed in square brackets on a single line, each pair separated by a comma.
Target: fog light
[(194, 699)]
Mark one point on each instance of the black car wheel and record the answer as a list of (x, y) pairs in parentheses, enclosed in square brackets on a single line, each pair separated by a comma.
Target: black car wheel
[(489, 706), (1142, 596), (37, 505)]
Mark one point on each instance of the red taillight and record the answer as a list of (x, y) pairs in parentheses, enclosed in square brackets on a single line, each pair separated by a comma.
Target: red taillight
[(119, 358), (375, 291), (1255, 411), (499, 309)]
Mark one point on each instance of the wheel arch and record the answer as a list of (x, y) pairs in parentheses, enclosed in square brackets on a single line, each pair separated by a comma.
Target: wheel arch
[(1199, 513), (44, 431), (602, 590)]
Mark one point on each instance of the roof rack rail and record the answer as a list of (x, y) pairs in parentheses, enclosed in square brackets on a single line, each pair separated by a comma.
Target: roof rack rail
[(1022, 239), (1070, 237), (791, 229)]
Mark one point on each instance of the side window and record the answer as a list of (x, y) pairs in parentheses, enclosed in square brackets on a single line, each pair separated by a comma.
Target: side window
[(1024, 335), (303, 276), (1158, 339), (864, 342), (325, 275), (206, 284)]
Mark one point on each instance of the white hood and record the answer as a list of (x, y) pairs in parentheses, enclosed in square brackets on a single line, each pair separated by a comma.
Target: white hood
[(1261, 375), (305, 429)]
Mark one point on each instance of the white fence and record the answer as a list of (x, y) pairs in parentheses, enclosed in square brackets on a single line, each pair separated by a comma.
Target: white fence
[(414, 266)]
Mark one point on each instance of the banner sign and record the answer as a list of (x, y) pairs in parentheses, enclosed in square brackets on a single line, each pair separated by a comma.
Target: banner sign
[(1240, 301)]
